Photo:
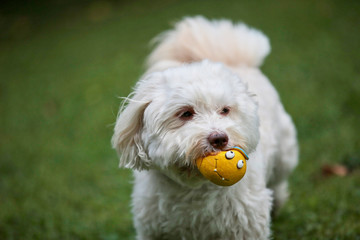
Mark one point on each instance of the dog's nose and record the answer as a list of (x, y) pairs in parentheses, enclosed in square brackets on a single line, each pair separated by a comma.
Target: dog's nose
[(218, 140)]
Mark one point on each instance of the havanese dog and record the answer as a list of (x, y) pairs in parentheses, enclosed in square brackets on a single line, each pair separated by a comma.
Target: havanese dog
[(203, 93)]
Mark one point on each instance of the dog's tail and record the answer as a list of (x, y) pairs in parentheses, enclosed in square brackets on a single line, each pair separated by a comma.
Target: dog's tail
[(196, 38)]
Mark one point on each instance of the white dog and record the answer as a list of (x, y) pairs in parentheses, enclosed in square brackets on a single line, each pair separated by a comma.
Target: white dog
[(204, 93)]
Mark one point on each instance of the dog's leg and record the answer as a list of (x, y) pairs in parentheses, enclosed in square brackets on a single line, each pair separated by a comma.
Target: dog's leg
[(285, 162), (281, 194)]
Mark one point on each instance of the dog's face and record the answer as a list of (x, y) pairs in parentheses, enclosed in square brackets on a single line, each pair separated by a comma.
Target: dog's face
[(183, 113)]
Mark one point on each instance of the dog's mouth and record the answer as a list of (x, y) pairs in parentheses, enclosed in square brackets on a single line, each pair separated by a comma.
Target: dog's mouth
[(191, 170), (215, 151), (187, 166)]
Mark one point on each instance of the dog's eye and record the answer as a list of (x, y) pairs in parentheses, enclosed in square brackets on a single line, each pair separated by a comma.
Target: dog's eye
[(186, 113), (225, 111)]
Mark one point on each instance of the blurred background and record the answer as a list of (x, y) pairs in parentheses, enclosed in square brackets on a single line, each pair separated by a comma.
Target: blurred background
[(63, 65)]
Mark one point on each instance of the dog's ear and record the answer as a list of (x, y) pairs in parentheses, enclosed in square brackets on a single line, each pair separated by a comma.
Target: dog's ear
[(127, 133), (129, 124), (126, 139)]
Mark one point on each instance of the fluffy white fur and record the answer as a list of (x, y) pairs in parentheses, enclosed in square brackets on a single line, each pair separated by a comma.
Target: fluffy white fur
[(205, 66)]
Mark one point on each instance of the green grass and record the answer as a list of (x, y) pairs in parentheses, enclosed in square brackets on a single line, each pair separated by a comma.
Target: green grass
[(63, 66)]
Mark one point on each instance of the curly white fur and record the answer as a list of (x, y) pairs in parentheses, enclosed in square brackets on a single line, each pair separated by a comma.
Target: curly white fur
[(205, 66)]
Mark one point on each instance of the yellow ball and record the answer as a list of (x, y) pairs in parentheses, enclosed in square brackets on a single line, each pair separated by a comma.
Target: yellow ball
[(225, 168)]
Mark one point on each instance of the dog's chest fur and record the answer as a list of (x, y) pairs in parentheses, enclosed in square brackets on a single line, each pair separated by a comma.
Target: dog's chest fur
[(209, 212)]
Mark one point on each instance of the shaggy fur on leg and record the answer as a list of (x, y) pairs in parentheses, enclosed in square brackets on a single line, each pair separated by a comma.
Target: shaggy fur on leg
[(204, 78)]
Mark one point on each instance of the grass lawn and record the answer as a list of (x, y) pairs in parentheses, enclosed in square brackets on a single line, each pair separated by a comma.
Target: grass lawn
[(63, 65)]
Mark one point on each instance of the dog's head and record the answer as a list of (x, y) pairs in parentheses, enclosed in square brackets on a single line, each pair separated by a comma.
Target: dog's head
[(180, 114)]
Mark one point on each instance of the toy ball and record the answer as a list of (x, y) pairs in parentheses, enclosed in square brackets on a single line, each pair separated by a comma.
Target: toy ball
[(225, 168)]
